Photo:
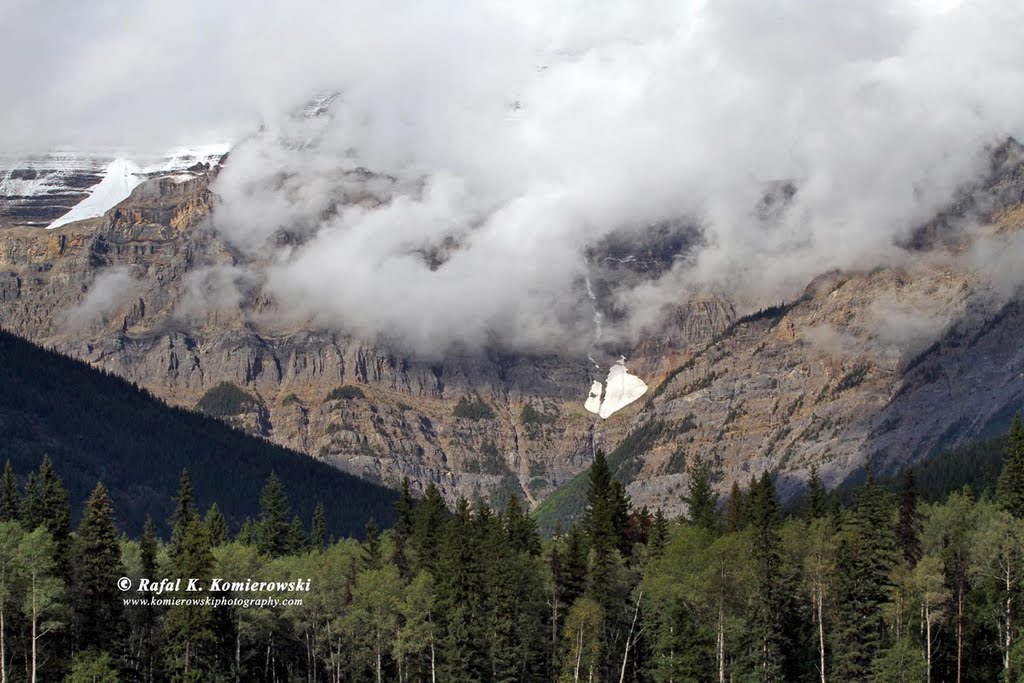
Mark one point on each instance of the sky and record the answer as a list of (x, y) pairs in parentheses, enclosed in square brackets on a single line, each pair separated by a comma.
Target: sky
[(506, 139)]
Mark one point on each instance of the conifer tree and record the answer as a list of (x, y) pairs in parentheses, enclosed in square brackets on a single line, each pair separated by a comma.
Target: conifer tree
[(216, 526), (430, 516), (318, 527), (814, 502), (735, 510), (147, 625), (32, 504), (373, 556), (10, 496), (909, 523), (272, 536), (98, 617), (865, 554), (1010, 489), (184, 511), (702, 499), (659, 535), (520, 528), (298, 541), (768, 626), (247, 532), (189, 631)]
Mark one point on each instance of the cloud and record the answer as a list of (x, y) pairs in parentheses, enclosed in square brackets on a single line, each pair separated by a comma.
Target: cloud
[(111, 288), (505, 140)]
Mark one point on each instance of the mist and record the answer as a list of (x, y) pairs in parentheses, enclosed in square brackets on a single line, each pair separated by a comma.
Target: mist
[(466, 157)]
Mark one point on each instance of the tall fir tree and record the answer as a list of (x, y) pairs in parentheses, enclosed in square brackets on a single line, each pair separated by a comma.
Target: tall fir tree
[(909, 522), (318, 527), (216, 526), (520, 528), (273, 530), (1010, 488), (10, 496), (702, 499), (865, 555), (98, 617), (430, 517), (148, 627), (659, 535), (814, 499), (735, 510)]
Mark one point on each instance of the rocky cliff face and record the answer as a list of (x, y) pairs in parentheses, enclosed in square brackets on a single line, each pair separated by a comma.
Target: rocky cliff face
[(891, 364)]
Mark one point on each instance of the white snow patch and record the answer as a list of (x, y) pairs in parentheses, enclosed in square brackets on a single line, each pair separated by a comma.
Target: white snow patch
[(621, 388), (593, 403), (121, 177)]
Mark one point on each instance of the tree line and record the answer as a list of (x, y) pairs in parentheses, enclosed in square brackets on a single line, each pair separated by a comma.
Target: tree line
[(885, 588)]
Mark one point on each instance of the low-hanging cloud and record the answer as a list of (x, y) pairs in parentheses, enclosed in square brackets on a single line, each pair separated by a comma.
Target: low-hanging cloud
[(472, 152)]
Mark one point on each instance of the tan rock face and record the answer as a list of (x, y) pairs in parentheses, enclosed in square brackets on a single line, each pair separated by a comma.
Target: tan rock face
[(850, 370)]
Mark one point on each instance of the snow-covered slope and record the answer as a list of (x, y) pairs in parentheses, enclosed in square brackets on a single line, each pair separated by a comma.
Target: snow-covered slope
[(54, 189)]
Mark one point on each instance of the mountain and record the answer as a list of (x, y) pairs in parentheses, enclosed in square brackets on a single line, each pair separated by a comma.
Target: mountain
[(98, 427), (50, 190), (891, 364)]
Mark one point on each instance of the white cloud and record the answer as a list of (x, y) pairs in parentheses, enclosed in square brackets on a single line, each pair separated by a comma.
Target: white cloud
[(515, 134)]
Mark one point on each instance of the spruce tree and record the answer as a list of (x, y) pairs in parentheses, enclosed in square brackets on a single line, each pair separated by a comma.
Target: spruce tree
[(659, 535), (272, 533), (298, 541), (189, 630), (216, 526), (10, 496), (735, 510), (865, 555), (909, 522), (1010, 488), (768, 628), (702, 499), (149, 645), (430, 516), (184, 511), (520, 528), (318, 527), (373, 557), (814, 501), (96, 599), (247, 532), (32, 504)]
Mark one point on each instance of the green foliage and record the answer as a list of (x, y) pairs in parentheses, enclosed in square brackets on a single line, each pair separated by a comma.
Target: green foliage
[(93, 667), (272, 536), (473, 409), (226, 400), (702, 499), (346, 392)]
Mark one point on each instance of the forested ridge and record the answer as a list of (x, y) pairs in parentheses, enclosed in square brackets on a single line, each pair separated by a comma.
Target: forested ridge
[(96, 426), (887, 588)]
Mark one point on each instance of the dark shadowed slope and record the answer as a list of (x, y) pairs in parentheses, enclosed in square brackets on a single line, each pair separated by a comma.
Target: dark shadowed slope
[(96, 426)]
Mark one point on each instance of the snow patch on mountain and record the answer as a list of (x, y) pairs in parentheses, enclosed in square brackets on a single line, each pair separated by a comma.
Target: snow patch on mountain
[(620, 389), (120, 178)]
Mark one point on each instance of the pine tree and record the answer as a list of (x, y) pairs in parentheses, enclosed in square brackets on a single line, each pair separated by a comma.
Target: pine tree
[(189, 630), (184, 511), (814, 502), (373, 557), (865, 555), (96, 600), (659, 535), (10, 496), (272, 533), (216, 526), (430, 523), (318, 527), (702, 499), (32, 504), (247, 532), (520, 528), (1010, 489), (770, 639), (909, 523), (149, 645), (298, 541), (735, 510)]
